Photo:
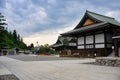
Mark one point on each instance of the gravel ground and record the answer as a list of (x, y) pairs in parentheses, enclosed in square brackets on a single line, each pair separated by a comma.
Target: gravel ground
[(40, 58), (8, 77), (72, 69)]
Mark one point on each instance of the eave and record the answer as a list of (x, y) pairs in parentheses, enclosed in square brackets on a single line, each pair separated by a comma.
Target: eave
[(85, 29)]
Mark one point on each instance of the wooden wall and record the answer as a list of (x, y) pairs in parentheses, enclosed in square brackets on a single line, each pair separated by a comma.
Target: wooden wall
[(88, 22)]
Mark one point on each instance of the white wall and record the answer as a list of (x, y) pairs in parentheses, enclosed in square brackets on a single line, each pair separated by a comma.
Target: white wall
[(81, 47), (89, 39), (81, 40), (99, 46), (89, 46), (99, 38)]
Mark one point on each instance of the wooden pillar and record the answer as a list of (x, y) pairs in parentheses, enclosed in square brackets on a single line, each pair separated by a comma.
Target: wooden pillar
[(84, 41), (77, 43), (94, 49), (85, 52), (116, 45), (105, 42), (94, 41)]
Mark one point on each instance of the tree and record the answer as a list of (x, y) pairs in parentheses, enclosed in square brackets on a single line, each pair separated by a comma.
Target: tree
[(15, 36), (31, 47), (2, 23), (9, 39), (45, 49), (18, 38), (2, 30)]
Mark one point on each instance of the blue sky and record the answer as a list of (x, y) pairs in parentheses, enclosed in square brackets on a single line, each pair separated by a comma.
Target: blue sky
[(44, 20)]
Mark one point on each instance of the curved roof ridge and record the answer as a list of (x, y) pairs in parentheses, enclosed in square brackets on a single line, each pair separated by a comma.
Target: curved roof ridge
[(85, 28), (99, 14)]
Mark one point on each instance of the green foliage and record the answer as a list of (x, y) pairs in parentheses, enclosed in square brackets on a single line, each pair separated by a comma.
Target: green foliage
[(31, 47), (45, 49), (9, 39)]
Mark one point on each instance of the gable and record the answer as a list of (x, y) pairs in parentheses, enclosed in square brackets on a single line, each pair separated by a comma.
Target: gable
[(91, 18), (88, 22), (92, 21)]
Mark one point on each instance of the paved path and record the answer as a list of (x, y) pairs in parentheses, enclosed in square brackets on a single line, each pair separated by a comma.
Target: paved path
[(59, 70)]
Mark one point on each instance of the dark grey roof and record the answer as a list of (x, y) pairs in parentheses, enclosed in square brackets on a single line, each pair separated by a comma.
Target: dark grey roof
[(103, 18), (84, 29), (62, 43), (56, 45)]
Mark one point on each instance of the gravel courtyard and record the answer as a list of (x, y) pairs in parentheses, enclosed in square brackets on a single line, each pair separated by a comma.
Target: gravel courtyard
[(23, 57), (30, 67)]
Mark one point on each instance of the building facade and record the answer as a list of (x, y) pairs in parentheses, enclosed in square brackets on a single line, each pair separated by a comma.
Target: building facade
[(95, 36)]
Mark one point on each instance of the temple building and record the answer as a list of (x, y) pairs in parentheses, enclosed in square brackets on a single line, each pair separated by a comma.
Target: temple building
[(65, 44), (95, 35)]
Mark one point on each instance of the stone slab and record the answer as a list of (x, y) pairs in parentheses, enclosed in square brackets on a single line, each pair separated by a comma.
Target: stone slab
[(108, 61), (8, 77)]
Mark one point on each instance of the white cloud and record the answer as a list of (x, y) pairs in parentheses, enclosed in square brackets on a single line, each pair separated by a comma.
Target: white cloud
[(9, 6), (115, 14), (15, 2), (24, 19), (11, 18), (73, 7), (48, 36), (52, 1), (38, 16), (41, 38), (32, 21)]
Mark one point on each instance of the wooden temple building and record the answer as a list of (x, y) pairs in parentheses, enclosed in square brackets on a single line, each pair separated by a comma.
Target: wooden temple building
[(95, 35)]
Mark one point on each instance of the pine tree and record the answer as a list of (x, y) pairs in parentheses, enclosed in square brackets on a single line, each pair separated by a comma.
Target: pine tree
[(2, 30), (9, 39), (15, 36), (2, 23), (18, 38)]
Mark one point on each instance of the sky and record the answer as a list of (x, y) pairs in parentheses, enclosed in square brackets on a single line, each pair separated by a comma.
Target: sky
[(43, 21)]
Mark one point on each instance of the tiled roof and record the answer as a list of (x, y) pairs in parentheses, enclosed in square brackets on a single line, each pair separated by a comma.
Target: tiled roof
[(104, 20), (63, 41), (83, 29)]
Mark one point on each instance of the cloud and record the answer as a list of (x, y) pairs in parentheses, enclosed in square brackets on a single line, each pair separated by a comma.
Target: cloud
[(41, 39), (52, 1), (33, 21), (2, 3), (115, 14), (48, 36), (38, 16), (44, 20), (25, 19), (34, 18)]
